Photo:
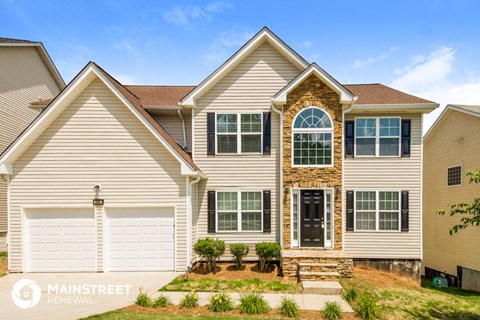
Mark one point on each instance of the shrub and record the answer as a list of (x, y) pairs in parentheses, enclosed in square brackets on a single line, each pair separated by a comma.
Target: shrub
[(143, 300), (350, 294), (253, 303), (239, 251), (332, 310), (367, 307), (220, 302), (211, 250), (289, 308), (189, 301), (161, 302), (267, 251)]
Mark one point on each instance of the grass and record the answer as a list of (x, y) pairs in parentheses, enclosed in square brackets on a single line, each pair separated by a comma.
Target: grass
[(131, 315), (400, 298), (243, 285), (3, 263)]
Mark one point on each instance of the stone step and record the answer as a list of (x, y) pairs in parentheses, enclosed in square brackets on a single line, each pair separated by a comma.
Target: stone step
[(322, 287), (318, 276), (320, 267)]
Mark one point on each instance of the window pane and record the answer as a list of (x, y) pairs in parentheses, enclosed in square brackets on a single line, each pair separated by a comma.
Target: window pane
[(388, 200), (365, 220), (365, 200), (251, 201), (454, 176), (365, 146), (251, 221), (312, 118), (227, 201), (389, 127), (226, 123), (388, 221), (389, 146), (365, 127), (227, 221), (251, 123), (312, 148), (295, 215), (227, 143), (251, 143)]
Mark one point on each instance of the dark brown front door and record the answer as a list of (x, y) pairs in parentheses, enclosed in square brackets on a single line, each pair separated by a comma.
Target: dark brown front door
[(311, 218)]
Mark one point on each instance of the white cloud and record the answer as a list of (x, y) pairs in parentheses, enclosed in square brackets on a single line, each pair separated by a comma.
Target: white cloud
[(432, 78), (306, 44), (185, 15), (222, 46), (359, 63)]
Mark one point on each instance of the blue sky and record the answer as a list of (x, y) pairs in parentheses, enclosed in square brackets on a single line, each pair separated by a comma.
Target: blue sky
[(426, 48)]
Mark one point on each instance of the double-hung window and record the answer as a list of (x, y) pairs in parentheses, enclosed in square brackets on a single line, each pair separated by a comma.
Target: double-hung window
[(239, 211), (377, 137), (377, 211), (239, 133)]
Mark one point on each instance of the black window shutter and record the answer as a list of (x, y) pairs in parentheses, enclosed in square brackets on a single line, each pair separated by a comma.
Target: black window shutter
[(350, 215), (267, 211), (349, 138), (406, 133), (404, 212), (211, 211), (210, 133), (267, 132)]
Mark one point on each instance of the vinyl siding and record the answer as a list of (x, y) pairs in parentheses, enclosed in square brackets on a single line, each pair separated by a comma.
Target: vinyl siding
[(247, 88), (454, 142), (96, 140), (394, 174), (24, 78), (173, 124)]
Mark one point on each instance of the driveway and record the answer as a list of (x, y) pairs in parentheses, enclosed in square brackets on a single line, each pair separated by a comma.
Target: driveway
[(75, 295)]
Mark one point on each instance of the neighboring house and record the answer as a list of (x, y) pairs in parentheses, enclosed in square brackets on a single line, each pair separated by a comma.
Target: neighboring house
[(267, 148), (451, 149), (26, 74)]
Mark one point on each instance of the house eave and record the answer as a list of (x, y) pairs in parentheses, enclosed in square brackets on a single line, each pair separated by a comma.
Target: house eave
[(393, 108)]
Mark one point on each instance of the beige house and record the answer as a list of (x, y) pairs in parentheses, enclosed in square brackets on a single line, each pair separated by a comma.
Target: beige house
[(269, 147), (451, 149), (27, 74)]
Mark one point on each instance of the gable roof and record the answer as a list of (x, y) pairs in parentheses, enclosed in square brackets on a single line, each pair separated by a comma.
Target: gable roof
[(263, 35), (346, 96), (9, 42), (472, 110), (88, 73), (376, 93), (159, 96)]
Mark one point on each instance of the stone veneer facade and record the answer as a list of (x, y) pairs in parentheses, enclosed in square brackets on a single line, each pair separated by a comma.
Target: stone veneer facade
[(313, 92)]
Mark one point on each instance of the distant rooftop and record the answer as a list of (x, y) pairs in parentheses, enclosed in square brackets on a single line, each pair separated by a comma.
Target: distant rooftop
[(10, 40)]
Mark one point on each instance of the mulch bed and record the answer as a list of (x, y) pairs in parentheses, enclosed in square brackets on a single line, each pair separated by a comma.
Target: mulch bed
[(228, 271)]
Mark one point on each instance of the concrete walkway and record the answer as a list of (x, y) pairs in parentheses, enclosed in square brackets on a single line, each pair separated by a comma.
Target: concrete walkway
[(305, 301), (59, 300)]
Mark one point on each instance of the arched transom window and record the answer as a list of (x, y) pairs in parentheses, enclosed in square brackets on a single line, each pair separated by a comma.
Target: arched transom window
[(312, 138)]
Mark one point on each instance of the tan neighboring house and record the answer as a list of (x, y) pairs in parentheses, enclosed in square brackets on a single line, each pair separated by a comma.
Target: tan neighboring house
[(27, 74), (269, 147), (451, 149)]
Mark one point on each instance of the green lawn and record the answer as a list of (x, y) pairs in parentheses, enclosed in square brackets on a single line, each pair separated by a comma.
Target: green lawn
[(3, 264), (131, 315), (243, 285)]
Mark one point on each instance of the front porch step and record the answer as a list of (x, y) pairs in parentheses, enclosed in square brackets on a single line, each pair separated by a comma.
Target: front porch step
[(318, 267), (322, 287), (318, 276)]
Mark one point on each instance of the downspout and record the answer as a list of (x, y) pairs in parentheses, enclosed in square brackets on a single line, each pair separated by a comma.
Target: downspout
[(280, 113), (8, 222), (184, 129), (189, 220)]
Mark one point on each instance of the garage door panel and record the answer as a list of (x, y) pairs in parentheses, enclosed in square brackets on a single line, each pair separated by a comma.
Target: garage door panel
[(134, 241), (61, 240)]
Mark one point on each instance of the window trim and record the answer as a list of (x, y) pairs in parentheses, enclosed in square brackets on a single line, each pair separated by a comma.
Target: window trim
[(377, 210), (461, 176), (323, 130), (239, 134), (377, 138), (239, 211)]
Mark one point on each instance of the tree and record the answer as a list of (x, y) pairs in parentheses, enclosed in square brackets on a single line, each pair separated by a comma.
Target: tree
[(470, 211)]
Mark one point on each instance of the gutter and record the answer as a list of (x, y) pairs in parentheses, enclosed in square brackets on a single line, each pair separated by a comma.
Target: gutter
[(184, 129), (280, 113), (189, 219)]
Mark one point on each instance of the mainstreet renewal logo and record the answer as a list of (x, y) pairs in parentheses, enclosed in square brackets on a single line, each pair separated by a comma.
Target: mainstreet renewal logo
[(26, 293)]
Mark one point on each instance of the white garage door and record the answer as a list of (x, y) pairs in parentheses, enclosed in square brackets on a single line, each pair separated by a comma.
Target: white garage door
[(60, 240), (140, 239)]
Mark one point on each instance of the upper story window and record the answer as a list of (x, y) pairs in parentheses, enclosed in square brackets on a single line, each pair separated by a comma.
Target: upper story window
[(312, 138), (377, 137), (239, 133), (454, 176)]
